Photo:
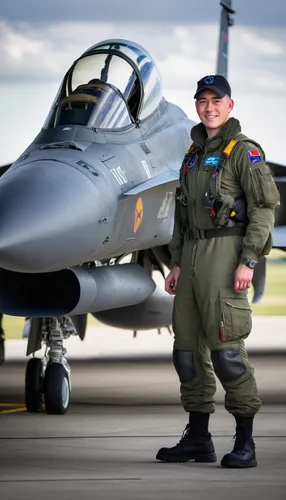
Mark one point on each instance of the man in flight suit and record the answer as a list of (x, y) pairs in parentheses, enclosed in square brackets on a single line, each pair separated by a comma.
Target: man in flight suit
[(224, 218)]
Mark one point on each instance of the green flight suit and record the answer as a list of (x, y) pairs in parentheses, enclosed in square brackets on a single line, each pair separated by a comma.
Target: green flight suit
[(210, 320)]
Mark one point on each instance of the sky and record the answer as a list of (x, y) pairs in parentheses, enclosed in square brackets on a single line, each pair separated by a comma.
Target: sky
[(40, 40)]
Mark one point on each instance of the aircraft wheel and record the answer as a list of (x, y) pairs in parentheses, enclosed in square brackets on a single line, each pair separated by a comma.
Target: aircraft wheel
[(56, 389), (33, 385)]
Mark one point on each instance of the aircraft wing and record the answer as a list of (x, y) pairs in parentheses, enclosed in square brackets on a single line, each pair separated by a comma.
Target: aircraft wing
[(163, 178), (279, 237), (279, 233)]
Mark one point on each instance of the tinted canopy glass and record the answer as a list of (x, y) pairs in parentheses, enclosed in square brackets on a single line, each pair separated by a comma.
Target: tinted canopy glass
[(112, 84), (145, 82), (94, 105)]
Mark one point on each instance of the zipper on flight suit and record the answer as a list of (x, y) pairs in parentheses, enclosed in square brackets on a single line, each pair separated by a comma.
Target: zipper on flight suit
[(196, 186), (192, 208)]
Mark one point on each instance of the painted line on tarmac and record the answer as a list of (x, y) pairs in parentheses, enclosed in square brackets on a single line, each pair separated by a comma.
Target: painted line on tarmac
[(8, 405), (12, 408)]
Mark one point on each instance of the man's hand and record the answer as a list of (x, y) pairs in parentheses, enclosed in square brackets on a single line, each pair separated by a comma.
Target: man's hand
[(172, 280), (242, 278)]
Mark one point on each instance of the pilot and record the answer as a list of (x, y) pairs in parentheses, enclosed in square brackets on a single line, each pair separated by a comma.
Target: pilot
[(214, 250)]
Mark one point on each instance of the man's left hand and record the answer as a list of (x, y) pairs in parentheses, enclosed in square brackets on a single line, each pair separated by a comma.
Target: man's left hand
[(242, 278)]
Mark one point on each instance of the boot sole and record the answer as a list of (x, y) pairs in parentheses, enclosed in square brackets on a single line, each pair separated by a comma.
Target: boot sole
[(210, 458), (239, 465)]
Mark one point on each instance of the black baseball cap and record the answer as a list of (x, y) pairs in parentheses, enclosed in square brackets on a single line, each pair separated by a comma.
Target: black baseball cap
[(217, 83)]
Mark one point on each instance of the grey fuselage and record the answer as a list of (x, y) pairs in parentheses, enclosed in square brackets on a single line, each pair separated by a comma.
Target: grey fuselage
[(71, 197)]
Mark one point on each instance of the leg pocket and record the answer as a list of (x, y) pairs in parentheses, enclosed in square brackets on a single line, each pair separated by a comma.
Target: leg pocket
[(235, 315)]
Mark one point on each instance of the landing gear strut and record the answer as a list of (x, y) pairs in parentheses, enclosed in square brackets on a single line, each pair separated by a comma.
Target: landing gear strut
[(48, 380)]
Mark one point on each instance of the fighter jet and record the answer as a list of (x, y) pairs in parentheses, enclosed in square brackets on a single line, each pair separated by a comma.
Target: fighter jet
[(95, 186)]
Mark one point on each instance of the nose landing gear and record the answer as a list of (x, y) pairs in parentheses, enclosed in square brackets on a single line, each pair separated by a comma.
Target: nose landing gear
[(48, 380)]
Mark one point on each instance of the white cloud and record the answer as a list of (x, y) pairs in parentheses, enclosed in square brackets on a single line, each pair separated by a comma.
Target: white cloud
[(183, 53), (260, 45), (41, 56), (46, 53), (268, 83), (22, 111)]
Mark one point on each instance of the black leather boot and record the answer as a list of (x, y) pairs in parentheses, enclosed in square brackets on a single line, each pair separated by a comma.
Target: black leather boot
[(196, 443), (243, 454)]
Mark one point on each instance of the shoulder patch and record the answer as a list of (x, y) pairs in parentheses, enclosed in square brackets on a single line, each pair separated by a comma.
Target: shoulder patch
[(192, 161), (254, 156)]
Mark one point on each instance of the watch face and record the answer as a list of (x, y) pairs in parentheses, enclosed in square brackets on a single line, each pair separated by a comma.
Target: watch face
[(252, 264)]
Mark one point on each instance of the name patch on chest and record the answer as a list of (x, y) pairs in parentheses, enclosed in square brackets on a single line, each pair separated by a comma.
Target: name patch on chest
[(211, 161)]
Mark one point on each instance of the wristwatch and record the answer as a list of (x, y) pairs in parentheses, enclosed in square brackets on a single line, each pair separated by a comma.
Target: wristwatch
[(250, 263)]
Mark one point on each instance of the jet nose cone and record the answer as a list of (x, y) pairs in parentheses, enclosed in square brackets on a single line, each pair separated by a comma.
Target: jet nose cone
[(47, 211)]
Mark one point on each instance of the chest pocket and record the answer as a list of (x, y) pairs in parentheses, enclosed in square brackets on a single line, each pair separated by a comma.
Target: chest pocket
[(264, 187), (220, 206)]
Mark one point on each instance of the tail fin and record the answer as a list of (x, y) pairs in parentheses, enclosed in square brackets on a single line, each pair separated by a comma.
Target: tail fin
[(225, 21)]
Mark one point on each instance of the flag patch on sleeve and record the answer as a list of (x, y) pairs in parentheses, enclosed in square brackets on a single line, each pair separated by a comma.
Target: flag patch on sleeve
[(254, 156)]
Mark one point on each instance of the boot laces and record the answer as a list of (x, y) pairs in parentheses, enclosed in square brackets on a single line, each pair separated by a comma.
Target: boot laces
[(185, 433), (241, 440)]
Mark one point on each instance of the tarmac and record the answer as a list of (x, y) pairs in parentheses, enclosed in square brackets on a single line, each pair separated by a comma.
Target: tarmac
[(124, 406)]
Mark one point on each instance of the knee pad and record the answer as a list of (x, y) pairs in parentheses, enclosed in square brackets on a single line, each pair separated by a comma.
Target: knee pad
[(184, 365), (228, 364)]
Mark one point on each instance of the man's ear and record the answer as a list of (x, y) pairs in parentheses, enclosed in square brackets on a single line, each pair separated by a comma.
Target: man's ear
[(230, 105)]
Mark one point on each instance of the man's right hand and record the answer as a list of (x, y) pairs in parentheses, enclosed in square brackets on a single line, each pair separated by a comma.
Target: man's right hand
[(171, 281)]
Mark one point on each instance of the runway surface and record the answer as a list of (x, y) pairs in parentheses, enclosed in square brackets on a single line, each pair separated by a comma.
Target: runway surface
[(124, 407)]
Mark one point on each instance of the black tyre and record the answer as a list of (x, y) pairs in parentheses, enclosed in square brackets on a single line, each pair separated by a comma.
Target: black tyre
[(33, 385), (56, 389)]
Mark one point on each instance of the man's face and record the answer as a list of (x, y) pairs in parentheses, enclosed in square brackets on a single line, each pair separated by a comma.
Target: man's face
[(213, 110)]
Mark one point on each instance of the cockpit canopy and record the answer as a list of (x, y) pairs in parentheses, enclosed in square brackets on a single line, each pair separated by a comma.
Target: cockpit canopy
[(113, 84), (95, 105)]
